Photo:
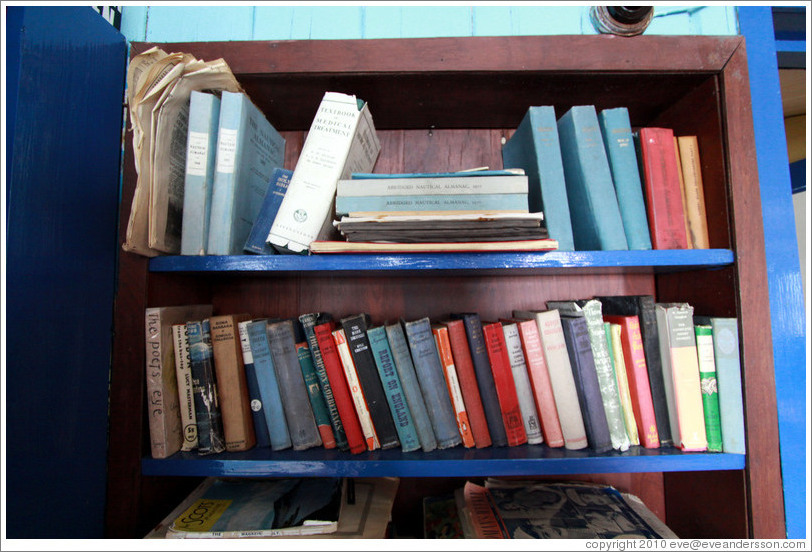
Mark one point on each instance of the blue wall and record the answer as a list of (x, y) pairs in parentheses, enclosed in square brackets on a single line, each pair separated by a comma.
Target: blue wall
[(190, 24)]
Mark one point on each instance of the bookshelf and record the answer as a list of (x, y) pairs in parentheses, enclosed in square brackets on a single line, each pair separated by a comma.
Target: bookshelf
[(445, 104)]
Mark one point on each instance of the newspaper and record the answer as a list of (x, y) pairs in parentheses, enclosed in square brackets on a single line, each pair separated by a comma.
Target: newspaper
[(170, 117), (158, 90)]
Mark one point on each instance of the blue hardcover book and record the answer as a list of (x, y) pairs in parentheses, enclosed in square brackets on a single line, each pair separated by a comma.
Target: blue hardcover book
[(210, 438), (579, 349), (256, 242), (295, 399), (309, 321), (432, 382), (596, 221), (729, 381), (268, 386), (398, 406), (484, 377), (535, 148), (248, 149), (257, 410), (411, 387), (201, 148), (616, 129), (514, 203)]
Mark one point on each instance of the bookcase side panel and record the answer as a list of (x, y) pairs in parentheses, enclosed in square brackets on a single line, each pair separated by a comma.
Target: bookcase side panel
[(758, 380)]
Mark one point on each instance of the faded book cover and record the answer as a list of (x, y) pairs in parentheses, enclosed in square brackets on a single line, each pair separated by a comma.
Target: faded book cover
[(299, 414), (163, 402)]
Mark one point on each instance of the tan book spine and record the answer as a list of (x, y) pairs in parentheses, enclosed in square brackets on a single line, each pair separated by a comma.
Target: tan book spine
[(694, 194), (682, 191), (232, 387)]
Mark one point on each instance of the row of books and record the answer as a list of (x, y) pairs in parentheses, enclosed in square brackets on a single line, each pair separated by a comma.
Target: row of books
[(211, 177), (580, 374), (513, 509), (603, 185)]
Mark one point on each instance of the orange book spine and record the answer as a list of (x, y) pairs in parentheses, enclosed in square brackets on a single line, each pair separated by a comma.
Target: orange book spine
[(637, 374), (505, 387), (453, 384)]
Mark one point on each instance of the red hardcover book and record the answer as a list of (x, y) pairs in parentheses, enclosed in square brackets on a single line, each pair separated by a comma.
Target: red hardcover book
[(338, 383), (503, 379), (637, 374), (664, 204), (468, 382), (540, 382)]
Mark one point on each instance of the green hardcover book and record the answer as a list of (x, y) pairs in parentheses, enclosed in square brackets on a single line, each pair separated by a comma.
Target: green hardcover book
[(316, 396), (708, 386), (591, 311)]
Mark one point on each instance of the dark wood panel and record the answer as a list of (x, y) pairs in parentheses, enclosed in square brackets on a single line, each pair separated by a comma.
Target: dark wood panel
[(764, 492), (706, 505), (470, 82)]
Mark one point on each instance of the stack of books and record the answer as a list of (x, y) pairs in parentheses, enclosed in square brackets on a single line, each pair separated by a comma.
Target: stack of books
[(476, 210), (606, 373)]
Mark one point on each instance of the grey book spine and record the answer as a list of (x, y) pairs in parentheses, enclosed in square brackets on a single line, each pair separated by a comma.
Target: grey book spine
[(299, 414)]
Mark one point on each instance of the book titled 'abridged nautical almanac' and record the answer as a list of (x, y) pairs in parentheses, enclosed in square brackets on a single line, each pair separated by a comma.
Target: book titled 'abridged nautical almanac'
[(248, 149), (341, 141)]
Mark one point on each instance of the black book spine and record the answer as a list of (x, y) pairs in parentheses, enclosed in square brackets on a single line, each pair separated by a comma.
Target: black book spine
[(484, 377), (355, 329), (295, 401), (651, 346), (576, 335)]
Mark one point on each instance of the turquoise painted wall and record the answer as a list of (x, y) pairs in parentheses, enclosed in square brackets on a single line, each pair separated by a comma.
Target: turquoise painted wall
[(203, 23)]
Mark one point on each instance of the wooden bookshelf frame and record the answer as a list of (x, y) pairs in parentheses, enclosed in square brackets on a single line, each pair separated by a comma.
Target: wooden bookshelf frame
[(444, 104)]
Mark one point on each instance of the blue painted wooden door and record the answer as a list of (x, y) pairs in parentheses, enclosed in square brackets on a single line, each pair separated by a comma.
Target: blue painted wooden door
[(65, 85)]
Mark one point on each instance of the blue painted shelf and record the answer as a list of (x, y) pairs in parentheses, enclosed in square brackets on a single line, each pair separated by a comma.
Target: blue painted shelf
[(536, 262), (457, 462)]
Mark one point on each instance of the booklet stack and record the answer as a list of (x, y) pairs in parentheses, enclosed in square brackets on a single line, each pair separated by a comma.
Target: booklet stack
[(477, 210)]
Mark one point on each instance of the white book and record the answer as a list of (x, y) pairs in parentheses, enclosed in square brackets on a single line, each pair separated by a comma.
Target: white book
[(357, 393), (341, 140), (561, 378), (518, 366)]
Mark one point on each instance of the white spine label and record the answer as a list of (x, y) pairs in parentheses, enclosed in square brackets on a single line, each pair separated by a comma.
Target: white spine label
[(197, 153), (226, 149)]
